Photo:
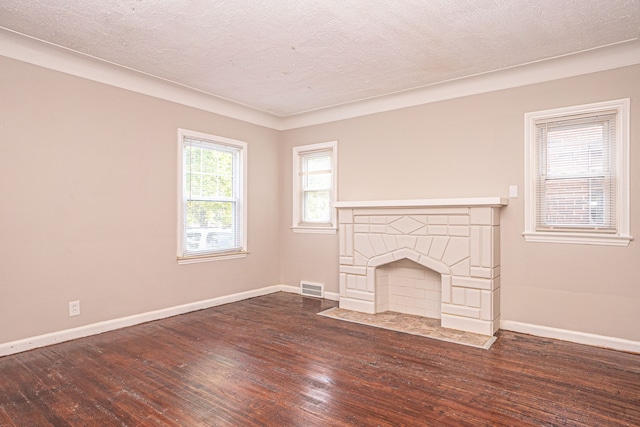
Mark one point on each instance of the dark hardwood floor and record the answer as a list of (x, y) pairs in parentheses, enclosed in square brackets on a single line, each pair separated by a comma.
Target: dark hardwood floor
[(271, 361)]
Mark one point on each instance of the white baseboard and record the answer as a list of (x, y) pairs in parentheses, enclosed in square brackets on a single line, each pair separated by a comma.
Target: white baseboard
[(123, 322), (110, 325), (572, 336)]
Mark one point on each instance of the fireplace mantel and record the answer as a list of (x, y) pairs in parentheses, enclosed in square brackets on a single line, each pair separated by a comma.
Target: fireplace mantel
[(413, 203), (459, 238)]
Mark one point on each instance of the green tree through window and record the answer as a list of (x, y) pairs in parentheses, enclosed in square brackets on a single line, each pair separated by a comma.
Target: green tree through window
[(212, 200), (209, 178)]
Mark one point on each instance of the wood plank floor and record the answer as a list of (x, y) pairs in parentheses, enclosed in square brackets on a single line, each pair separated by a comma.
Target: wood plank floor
[(271, 361)]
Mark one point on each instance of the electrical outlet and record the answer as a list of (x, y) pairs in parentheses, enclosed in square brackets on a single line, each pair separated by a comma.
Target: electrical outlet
[(74, 308)]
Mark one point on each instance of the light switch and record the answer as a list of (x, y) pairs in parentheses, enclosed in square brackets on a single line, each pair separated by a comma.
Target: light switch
[(513, 191)]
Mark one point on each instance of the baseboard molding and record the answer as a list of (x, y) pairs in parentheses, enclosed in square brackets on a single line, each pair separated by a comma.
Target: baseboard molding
[(110, 325), (572, 336), (123, 322)]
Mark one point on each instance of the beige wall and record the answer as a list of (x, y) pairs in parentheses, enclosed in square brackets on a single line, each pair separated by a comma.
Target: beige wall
[(88, 203), (473, 147)]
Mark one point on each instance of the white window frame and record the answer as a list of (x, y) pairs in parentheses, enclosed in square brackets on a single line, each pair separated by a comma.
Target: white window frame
[(621, 236), (241, 146), (298, 152)]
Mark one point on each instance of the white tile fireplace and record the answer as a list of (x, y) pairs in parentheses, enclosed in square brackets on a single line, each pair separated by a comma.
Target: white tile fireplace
[(432, 257)]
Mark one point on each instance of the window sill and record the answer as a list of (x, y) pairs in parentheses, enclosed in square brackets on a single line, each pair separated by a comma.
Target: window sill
[(314, 230), (193, 259), (578, 238)]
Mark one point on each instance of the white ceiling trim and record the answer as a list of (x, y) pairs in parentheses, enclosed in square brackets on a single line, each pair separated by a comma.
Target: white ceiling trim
[(600, 59), (37, 52), (34, 51)]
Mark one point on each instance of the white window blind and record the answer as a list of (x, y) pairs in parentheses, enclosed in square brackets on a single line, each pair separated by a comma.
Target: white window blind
[(212, 211), (577, 174), (316, 186), (576, 177)]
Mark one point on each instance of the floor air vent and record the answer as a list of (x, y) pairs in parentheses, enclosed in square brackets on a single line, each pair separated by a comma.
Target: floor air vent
[(310, 289)]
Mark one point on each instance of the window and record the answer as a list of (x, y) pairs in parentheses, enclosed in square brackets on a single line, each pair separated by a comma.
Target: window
[(212, 204), (314, 188), (577, 188)]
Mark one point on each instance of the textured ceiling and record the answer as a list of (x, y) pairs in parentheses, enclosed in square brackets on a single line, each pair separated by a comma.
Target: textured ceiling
[(287, 57)]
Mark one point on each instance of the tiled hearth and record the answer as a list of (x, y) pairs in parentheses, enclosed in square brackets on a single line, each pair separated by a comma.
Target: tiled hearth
[(410, 324), (386, 245)]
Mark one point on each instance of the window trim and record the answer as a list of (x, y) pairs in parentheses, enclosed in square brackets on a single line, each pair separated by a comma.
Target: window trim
[(297, 225), (242, 151), (622, 236)]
